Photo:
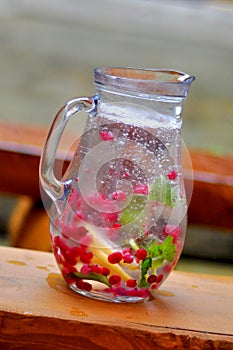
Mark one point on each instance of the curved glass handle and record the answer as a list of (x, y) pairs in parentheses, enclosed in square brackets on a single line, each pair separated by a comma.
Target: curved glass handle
[(50, 184)]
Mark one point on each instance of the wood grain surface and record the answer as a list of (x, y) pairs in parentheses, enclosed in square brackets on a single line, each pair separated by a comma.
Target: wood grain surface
[(38, 311)]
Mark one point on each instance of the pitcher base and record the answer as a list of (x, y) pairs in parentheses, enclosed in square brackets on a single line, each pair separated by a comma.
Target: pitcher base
[(110, 297)]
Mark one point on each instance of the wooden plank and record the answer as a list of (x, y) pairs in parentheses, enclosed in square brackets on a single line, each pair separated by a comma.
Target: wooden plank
[(212, 197), (38, 311), (20, 151)]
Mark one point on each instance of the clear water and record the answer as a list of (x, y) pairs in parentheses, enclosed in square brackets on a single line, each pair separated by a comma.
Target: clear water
[(122, 223)]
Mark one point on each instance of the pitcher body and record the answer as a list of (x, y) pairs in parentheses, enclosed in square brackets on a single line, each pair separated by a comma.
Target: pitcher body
[(118, 218)]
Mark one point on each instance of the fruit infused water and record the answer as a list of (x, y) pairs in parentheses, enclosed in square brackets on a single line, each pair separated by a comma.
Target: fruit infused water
[(122, 225), (118, 213)]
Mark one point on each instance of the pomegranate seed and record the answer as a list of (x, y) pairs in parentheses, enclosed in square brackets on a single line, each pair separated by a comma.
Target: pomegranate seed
[(116, 225), (70, 256), (126, 175), (141, 189), (159, 278), (79, 284), (86, 257), (60, 244), (173, 231), (131, 283), (115, 257), (87, 286), (110, 217), (119, 196), (167, 268), (82, 231), (83, 285), (96, 269), (127, 250), (79, 215), (152, 279), (114, 279), (105, 271), (67, 268), (154, 286), (85, 269), (59, 258), (106, 135), (141, 254), (172, 175), (128, 258)]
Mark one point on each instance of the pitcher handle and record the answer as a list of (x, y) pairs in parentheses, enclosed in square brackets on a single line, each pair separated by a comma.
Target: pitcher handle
[(50, 184)]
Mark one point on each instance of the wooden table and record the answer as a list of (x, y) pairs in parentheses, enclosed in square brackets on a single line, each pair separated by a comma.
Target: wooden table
[(38, 311)]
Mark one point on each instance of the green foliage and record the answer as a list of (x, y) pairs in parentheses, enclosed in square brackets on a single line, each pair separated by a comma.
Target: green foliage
[(91, 276), (163, 251), (157, 254), (163, 192), (146, 264), (133, 210)]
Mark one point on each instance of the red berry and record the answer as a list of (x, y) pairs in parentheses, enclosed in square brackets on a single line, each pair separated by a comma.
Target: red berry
[(86, 257), (141, 254), (83, 285), (172, 175), (141, 189), (115, 257), (70, 256), (114, 279), (127, 250), (116, 225), (152, 279), (106, 135), (159, 278), (87, 286), (67, 268), (79, 284), (173, 231), (119, 196), (128, 258), (154, 286), (96, 269), (131, 283), (125, 175), (110, 217), (85, 269), (105, 271), (59, 242), (82, 231)]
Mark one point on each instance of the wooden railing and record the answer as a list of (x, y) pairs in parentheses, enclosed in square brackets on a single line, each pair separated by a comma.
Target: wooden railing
[(212, 197)]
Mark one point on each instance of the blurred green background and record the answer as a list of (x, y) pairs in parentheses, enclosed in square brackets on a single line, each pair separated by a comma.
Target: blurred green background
[(49, 49)]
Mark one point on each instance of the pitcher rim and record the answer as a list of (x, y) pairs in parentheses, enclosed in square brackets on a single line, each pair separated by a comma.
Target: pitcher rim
[(150, 81), (108, 71)]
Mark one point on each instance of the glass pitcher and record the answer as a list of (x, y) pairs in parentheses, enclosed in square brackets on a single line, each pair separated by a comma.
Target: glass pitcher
[(118, 215)]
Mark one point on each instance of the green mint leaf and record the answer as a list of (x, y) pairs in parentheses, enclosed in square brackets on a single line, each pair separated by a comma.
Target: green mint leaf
[(146, 264), (163, 192), (133, 210), (163, 251), (91, 276)]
